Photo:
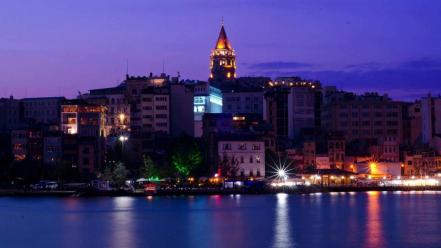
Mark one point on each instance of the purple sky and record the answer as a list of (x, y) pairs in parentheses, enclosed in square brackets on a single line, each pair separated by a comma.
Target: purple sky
[(60, 47)]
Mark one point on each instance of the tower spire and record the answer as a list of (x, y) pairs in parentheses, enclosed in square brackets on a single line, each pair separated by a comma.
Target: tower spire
[(222, 58)]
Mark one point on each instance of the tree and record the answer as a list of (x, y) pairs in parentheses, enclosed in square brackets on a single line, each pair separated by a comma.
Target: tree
[(120, 174), (186, 159), (148, 170), (107, 174), (229, 166)]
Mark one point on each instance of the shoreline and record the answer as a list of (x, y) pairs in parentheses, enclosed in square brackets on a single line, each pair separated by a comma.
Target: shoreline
[(205, 192)]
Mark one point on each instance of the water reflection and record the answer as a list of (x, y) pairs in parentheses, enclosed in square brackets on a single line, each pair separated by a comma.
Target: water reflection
[(122, 222), (374, 229), (282, 232)]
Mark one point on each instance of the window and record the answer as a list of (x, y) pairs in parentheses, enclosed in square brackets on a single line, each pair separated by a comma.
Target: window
[(161, 107), (258, 159), (227, 147), (256, 147), (251, 159), (242, 146)]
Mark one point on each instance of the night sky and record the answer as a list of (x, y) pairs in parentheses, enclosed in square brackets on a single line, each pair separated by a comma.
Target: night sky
[(58, 47)]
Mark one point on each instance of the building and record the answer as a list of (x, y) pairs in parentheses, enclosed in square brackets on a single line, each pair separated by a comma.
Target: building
[(44, 110), (82, 119), (155, 110), (222, 59), (378, 169), (309, 153), (11, 114), (207, 99), (27, 144), (292, 105), (181, 109), (421, 164), (248, 153), (83, 128), (390, 149), (431, 119), (52, 149), (363, 117), (117, 107), (336, 150), (415, 122), (134, 86), (244, 95)]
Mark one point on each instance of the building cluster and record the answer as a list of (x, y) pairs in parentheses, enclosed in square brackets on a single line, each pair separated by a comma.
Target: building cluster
[(243, 124)]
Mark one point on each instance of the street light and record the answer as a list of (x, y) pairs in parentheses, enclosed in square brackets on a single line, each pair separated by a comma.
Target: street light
[(123, 138)]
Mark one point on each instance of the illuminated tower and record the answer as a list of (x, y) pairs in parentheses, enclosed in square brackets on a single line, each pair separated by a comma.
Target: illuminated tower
[(222, 59)]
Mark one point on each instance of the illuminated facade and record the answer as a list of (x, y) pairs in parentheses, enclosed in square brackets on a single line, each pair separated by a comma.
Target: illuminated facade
[(117, 107), (83, 128), (248, 154), (83, 119), (207, 99), (222, 59)]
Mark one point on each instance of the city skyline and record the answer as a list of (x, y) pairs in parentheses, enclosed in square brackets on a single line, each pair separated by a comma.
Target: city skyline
[(71, 47)]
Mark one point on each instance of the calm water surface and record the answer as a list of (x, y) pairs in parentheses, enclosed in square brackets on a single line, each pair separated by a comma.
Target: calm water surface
[(372, 219)]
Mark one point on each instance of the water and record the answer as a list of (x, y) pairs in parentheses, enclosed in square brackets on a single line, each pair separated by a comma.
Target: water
[(372, 219)]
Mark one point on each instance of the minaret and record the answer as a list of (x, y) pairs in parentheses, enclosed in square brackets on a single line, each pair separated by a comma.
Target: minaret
[(222, 59)]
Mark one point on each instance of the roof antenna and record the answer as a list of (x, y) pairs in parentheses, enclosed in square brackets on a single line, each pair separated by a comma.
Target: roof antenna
[(127, 67), (163, 66)]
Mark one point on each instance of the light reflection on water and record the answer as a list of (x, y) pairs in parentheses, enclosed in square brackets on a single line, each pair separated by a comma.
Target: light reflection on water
[(282, 233), (374, 229), (371, 219), (122, 222)]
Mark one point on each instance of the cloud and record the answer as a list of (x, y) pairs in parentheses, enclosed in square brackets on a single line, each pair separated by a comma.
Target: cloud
[(279, 65), (365, 66), (422, 63), (408, 80)]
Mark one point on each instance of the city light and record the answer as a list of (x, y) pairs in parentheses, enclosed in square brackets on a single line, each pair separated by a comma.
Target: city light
[(122, 117), (281, 170), (123, 138)]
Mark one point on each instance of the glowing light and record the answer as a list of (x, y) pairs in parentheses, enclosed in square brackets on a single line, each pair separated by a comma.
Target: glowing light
[(281, 170), (122, 117), (123, 138), (373, 167)]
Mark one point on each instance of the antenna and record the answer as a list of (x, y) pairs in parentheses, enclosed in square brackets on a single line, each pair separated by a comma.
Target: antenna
[(222, 21), (127, 67), (163, 65)]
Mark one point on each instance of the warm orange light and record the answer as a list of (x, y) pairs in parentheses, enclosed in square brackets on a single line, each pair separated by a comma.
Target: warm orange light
[(373, 167), (228, 75), (122, 117)]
